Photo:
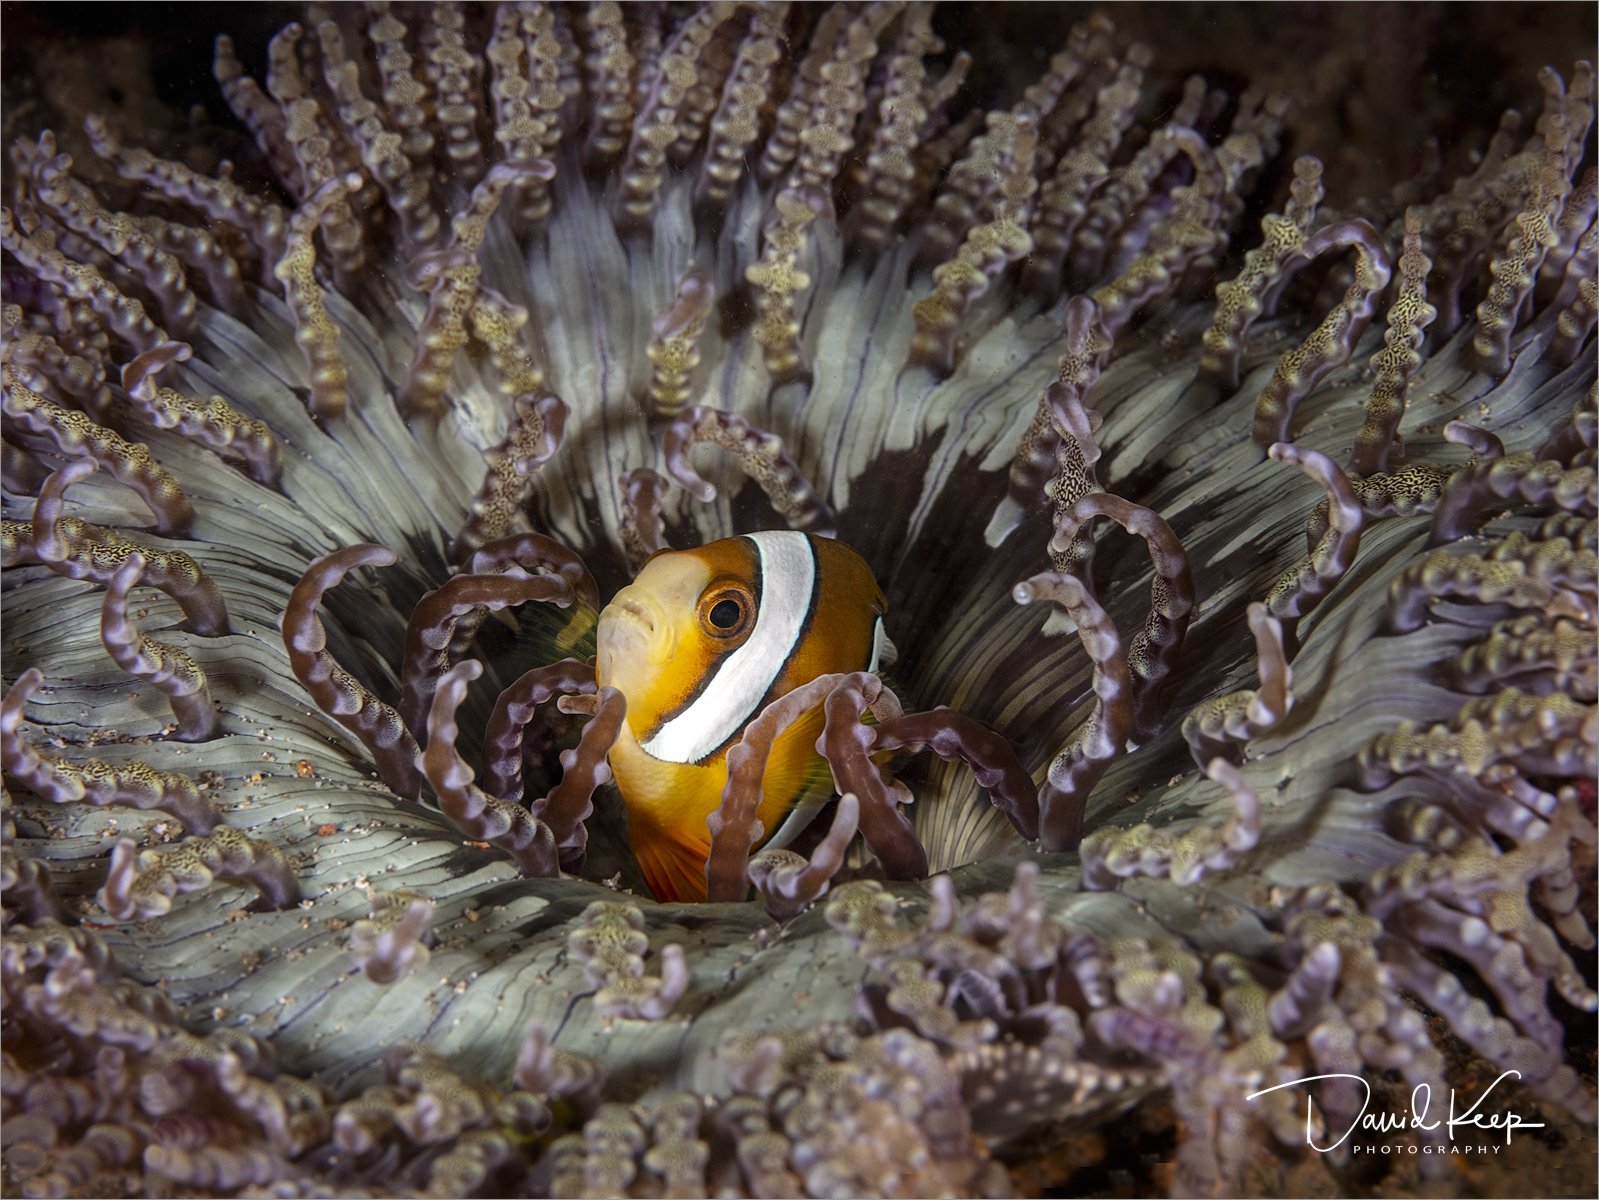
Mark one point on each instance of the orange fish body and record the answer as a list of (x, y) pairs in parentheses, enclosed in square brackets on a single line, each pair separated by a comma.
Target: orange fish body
[(699, 644)]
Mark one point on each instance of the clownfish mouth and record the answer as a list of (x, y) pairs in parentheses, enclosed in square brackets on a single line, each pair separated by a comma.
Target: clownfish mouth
[(632, 608), (630, 628)]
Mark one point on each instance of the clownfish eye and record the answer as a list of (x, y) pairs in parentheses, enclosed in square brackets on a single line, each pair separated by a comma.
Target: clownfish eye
[(726, 612)]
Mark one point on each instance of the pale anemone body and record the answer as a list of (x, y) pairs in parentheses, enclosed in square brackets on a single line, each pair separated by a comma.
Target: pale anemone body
[(912, 461)]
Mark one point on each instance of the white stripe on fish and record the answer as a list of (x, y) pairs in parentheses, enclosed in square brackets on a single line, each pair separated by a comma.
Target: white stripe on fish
[(736, 692)]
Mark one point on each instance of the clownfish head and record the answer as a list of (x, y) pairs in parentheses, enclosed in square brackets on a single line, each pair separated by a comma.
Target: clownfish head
[(704, 639)]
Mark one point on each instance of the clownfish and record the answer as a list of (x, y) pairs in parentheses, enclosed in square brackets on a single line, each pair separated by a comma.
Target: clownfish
[(699, 643)]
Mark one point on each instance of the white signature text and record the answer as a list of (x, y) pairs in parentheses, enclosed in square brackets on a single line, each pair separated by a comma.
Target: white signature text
[(1471, 1117)]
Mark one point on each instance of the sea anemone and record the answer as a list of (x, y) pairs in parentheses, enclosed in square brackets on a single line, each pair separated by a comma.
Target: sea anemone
[(457, 338)]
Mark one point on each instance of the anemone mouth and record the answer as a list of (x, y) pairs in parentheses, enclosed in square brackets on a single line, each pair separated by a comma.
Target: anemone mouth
[(692, 285)]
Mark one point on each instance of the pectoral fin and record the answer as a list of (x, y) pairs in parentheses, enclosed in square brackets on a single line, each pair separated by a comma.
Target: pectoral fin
[(673, 868)]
